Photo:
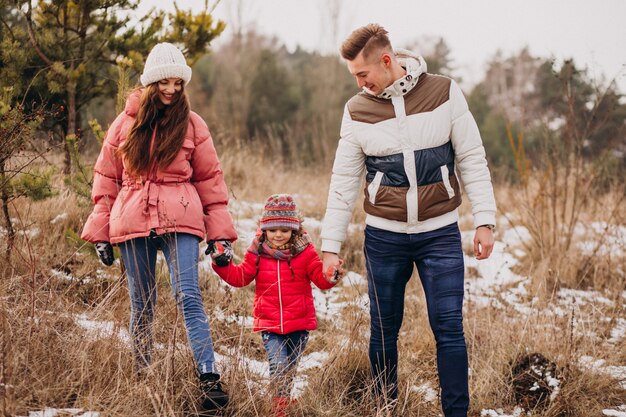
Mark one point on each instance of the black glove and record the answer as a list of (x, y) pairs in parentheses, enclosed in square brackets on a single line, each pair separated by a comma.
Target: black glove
[(221, 251), (105, 252)]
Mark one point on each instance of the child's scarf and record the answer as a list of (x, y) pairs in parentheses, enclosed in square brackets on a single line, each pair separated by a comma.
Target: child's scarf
[(283, 253)]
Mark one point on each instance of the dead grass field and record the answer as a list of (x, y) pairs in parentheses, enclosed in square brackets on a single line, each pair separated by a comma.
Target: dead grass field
[(64, 316)]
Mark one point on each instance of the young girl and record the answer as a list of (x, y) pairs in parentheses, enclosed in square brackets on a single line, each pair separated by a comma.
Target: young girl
[(158, 185), (283, 262)]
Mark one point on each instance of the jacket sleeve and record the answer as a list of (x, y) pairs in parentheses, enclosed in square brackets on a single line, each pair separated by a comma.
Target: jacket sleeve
[(107, 181), (238, 275), (208, 179), (470, 159), (345, 184), (315, 269)]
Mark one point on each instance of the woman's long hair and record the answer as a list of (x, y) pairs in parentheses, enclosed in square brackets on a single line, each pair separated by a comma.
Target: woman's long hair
[(171, 122)]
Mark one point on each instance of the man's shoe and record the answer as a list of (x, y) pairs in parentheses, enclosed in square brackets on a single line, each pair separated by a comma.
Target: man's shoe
[(214, 396)]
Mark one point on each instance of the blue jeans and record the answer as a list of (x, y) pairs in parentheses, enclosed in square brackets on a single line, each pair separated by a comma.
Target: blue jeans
[(439, 259), (181, 254), (283, 353)]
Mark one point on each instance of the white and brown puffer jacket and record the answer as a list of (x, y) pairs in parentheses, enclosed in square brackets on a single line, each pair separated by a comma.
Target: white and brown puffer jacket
[(409, 141)]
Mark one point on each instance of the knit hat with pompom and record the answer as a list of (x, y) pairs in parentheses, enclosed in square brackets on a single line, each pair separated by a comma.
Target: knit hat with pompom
[(280, 212)]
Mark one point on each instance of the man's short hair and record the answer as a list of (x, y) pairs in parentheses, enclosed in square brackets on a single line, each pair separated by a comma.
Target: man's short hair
[(368, 39)]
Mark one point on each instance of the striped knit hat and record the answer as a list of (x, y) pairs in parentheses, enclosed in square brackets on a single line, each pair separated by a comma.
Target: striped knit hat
[(280, 211)]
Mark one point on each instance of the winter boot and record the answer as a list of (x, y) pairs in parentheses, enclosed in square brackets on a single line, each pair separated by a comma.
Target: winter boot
[(279, 406), (214, 396)]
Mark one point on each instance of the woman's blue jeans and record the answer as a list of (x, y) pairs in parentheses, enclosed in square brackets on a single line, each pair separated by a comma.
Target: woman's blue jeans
[(439, 259), (181, 253), (283, 353)]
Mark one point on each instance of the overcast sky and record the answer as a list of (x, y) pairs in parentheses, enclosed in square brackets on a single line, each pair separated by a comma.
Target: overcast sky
[(592, 32)]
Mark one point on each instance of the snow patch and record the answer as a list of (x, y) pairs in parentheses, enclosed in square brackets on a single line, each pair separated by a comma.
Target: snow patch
[(619, 331), (620, 411), (499, 412), (426, 391), (102, 329), (598, 366), (53, 412), (352, 279), (59, 218), (243, 321)]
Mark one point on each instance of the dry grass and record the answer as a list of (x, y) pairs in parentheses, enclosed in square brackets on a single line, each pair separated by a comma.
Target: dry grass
[(48, 360)]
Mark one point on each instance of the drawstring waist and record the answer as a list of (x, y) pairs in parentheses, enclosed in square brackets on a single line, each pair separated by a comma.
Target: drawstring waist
[(151, 196), (150, 192)]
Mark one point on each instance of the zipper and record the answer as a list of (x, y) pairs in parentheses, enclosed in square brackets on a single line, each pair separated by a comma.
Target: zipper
[(280, 299)]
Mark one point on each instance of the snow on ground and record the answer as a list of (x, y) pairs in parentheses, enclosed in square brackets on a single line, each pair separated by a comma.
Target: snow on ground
[(619, 331), (98, 329), (261, 368), (599, 366), (313, 360), (620, 411), (604, 238), (59, 218), (243, 321), (426, 391), (489, 283), (499, 412), (54, 412), (352, 279)]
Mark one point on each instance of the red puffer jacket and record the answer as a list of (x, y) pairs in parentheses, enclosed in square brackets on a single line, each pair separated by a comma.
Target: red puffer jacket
[(283, 301)]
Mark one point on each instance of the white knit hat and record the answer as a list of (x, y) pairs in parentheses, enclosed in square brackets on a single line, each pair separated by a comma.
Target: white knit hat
[(165, 61)]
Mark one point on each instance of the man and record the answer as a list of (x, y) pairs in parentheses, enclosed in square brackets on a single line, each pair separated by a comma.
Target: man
[(409, 132)]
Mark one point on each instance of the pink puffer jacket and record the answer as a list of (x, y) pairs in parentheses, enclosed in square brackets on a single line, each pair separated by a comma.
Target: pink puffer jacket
[(283, 301), (189, 196)]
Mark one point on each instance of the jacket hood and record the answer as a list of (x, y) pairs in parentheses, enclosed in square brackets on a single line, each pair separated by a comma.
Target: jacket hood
[(410, 60), (414, 65)]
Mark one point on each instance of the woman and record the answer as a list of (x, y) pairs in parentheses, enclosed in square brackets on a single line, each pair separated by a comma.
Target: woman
[(158, 184)]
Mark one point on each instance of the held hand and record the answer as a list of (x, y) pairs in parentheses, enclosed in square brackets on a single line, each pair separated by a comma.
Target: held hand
[(483, 243), (105, 252), (329, 260), (334, 273), (221, 251)]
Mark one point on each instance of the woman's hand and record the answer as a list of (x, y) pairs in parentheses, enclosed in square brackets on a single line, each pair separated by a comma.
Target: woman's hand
[(105, 252), (221, 251)]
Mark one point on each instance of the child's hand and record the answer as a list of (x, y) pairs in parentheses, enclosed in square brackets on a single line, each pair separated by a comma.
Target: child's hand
[(334, 274), (221, 251)]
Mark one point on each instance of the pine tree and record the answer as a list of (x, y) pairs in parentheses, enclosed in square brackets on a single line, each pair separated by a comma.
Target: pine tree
[(65, 52)]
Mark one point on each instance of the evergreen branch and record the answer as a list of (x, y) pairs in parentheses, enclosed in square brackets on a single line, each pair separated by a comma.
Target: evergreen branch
[(31, 35)]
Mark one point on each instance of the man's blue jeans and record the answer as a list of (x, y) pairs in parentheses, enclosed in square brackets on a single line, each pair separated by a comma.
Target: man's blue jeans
[(439, 259), (181, 253), (283, 353)]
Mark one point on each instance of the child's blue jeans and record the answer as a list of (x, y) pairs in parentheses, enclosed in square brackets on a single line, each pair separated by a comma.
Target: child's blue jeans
[(181, 254), (283, 353)]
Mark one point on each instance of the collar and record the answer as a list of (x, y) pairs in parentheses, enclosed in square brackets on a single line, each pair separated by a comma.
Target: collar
[(414, 65)]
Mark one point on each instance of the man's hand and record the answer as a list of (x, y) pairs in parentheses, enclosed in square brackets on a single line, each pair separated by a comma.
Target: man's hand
[(331, 260), (483, 242), (334, 274), (105, 252), (221, 251)]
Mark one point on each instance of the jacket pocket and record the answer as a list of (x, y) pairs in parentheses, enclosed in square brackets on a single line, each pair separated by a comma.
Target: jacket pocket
[(372, 188), (445, 177)]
